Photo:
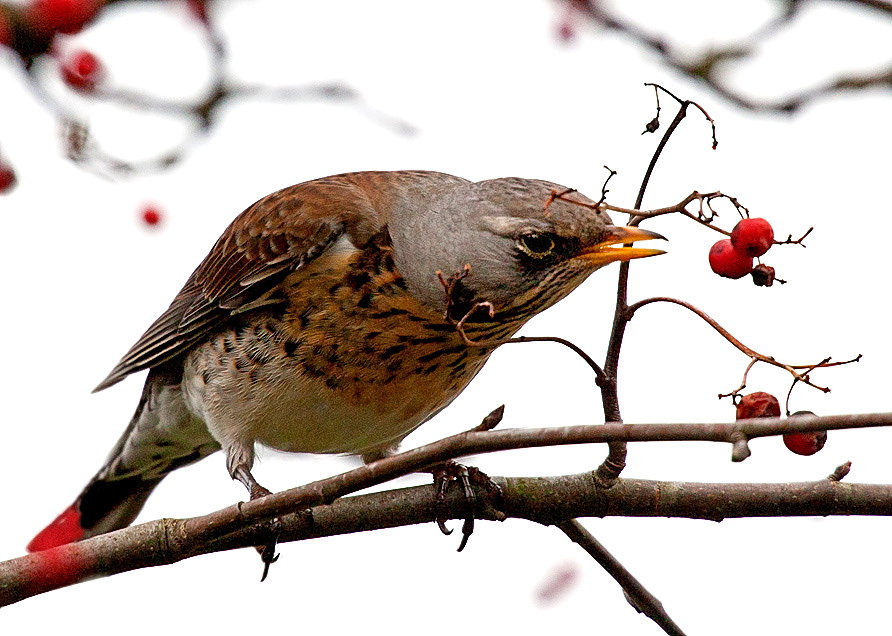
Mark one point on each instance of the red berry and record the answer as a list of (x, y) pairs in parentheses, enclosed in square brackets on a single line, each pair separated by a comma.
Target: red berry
[(759, 404), (82, 71), (7, 178), (752, 237), (728, 262), (151, 215), (63, 16), (805, 443)]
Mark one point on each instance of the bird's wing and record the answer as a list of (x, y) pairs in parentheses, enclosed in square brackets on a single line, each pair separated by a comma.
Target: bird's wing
[(274, 237)]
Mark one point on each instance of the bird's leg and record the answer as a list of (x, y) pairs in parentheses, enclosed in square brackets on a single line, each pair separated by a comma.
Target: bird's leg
[(243, 474), (267, 552)]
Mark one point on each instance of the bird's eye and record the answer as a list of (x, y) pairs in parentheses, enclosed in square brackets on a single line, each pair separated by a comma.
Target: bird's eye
[(536, 245)]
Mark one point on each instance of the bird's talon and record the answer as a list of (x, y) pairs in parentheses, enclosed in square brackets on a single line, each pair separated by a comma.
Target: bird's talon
[(268, 552), (467, 529), (443, 474)]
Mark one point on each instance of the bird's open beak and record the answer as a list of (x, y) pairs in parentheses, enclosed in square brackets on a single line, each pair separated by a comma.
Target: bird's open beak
[(604, 252)]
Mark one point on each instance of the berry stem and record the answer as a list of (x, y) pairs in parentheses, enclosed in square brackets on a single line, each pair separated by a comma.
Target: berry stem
[(798, 371)]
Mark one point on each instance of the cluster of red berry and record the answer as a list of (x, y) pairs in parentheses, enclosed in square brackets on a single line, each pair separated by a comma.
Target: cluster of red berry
[(40, 20), (733, 258), (61, 16), (761, 404)]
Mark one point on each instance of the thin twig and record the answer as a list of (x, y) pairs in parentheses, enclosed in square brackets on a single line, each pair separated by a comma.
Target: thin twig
[(798, 371), (612, 466), (710, 67), (449, 286), (637, 595), (840, 472), (733, 394)]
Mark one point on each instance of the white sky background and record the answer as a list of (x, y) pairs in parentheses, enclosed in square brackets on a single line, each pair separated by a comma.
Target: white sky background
[(492, 93)]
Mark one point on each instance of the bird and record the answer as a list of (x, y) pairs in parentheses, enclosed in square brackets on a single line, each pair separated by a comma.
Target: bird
[(336, 316)]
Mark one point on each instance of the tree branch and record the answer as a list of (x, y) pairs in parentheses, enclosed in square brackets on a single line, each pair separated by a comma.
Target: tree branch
[(637, 595), (544, 500)]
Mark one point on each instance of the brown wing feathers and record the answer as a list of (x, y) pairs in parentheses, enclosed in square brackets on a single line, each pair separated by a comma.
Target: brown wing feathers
[(272, 238)]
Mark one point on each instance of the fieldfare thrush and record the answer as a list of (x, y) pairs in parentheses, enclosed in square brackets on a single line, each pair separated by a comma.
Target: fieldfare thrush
[(318, 323)]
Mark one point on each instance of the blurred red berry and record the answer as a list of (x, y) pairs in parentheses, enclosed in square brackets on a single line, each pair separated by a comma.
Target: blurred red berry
[(199, 9), (805, 443), (62, 16), (752, 237), (82, 71), (5, 31), (560, 581), (759, 404), (728, 262), (566, 32), (151, 215), (7, 178)]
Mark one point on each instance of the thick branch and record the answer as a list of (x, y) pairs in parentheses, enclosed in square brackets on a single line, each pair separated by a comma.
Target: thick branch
[(545, 500)]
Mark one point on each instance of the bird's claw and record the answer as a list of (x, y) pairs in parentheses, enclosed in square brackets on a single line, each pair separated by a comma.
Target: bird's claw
[(443, 474), (268, 551)]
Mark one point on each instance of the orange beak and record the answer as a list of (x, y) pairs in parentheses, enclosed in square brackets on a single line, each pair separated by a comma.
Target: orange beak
[(604, 252)]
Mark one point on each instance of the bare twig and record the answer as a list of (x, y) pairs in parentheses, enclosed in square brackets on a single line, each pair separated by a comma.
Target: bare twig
[(613, 464), (492, 420), (637, 595), (449, 288), (789, 240), (798, 371), (840, 472), (200, 114), (736, 392), (709, 67)]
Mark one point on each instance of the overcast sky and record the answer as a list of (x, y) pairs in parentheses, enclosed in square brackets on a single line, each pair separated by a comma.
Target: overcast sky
[(491, 91)]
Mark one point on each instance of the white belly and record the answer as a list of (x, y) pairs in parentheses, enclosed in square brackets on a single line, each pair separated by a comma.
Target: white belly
[(296, 413)]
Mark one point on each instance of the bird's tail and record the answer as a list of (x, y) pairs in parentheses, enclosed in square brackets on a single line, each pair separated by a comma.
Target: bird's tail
[(161, 437), (103, 506)]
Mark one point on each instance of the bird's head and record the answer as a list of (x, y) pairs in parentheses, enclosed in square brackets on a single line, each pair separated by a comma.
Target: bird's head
[(526, 249)]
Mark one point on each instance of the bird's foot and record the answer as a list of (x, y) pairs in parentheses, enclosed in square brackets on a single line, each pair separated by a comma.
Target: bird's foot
[(466, 476), (267, 551)]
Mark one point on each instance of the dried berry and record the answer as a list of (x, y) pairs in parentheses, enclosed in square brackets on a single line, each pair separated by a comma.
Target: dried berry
[(763, 275), (759, 404)]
